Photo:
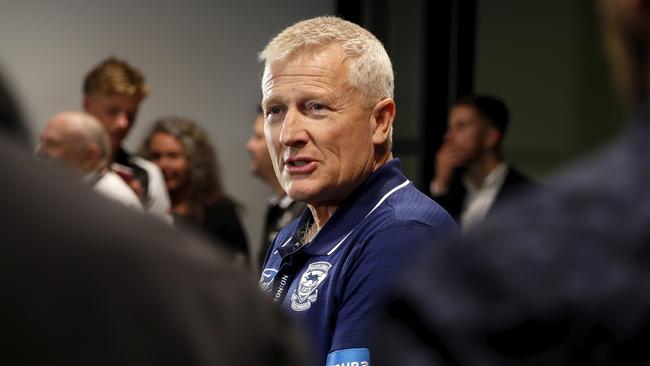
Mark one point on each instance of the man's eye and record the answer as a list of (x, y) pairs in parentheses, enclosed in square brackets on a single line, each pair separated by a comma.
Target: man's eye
[(274, 110), (317, 107)]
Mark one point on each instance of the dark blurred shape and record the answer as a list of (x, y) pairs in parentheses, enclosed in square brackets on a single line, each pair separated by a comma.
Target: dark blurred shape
[(349, 10), (85, 283), (558, 277), (11, 120)]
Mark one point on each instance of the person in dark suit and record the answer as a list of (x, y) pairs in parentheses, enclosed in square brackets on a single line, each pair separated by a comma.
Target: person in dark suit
[(472, 173), (86, 283)]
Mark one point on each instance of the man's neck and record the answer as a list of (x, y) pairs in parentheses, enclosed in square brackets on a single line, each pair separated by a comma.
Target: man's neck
[(382, 159), (309, 232), (119, 155), (322, 212), (93, 174), (478, 171)]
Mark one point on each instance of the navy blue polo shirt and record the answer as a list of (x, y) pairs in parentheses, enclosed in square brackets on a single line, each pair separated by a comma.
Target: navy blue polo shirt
[(332, 286)]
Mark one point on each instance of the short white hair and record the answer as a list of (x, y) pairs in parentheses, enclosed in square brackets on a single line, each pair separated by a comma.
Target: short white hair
[(88, 130), (370, 69)]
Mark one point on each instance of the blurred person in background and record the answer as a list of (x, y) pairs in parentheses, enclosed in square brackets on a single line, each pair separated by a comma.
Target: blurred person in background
[(558, 276), (472, 172), (188, 160), (112, 92), (85, 283), (79, 141), (281, 209)]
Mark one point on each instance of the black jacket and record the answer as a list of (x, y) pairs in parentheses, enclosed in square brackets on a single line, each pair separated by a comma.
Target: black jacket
[(452, 201)]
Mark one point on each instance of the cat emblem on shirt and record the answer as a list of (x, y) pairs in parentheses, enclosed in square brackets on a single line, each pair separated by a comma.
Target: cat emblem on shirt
[(307, 291)]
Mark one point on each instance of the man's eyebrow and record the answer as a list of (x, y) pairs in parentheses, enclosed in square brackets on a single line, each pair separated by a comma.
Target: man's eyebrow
[(274, 99)]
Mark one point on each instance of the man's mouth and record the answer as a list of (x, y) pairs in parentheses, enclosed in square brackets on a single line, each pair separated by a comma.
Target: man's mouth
[(298, 163)]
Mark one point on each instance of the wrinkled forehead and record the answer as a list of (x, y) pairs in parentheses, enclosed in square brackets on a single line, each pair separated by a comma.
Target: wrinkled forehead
[(327, 61)]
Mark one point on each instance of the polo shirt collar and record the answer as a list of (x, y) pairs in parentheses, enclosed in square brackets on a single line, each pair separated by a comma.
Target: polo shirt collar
[(352, 210)]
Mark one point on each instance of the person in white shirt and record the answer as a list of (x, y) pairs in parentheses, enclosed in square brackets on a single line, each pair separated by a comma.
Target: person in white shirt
[(78, 141), (112, 92), (472, 173)]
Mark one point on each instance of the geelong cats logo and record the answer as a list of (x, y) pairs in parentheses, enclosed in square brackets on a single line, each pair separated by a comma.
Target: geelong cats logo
[(307, 292)]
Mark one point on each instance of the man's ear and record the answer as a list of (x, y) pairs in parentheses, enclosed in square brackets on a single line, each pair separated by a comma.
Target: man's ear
[(92, 153), (383, 115), (492, 137), (86, 102)]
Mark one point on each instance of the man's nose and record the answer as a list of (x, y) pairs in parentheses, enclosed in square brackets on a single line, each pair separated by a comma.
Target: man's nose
[(163, 162), (293, 131), (122, 120)]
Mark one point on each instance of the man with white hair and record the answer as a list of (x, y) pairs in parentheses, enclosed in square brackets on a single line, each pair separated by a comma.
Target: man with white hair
[(329, 111), (80, 142)]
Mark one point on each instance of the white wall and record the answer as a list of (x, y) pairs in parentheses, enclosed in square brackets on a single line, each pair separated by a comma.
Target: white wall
[(198, 56)]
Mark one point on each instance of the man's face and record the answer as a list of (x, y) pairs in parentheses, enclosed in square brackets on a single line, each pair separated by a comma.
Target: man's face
[(60, 143), (317, 126), (261, 164), (466, 133), (168, 153), (115, 112), (624, 30)]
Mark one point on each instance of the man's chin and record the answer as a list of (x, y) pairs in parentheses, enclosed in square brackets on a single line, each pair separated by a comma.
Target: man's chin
[(299, 195)]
